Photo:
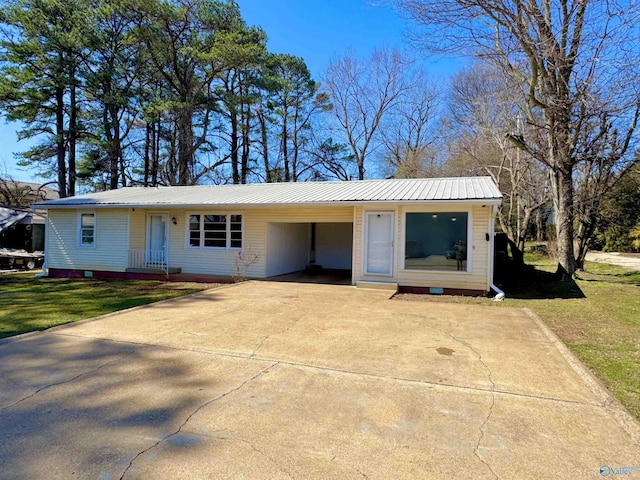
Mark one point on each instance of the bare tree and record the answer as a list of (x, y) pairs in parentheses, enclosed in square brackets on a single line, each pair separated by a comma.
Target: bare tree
[(19, 194), (409, 132), (602, 165), (362, 92), (577, 60), (483, 106)]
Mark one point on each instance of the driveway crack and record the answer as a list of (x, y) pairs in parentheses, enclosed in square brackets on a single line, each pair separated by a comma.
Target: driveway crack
[(266, 337), (200, 407), (268, 457), (362, 473), (492, 389), (69, 380)]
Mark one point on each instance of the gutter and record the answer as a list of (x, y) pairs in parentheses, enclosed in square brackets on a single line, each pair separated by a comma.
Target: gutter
[(346, 203)]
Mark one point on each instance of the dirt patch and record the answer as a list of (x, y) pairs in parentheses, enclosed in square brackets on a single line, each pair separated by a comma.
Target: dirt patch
[(191, 285), (459, 299)]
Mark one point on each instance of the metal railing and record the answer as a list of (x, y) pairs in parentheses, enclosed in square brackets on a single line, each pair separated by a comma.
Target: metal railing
[(155, 259)]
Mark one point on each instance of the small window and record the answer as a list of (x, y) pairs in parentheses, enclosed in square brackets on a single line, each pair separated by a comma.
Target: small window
[(87, 233), (194, 230), (215, 231), (436, 241), (236, 231)]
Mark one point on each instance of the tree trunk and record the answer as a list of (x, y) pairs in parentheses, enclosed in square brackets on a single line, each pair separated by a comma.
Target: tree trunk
[(235, 161), (111, 148), (540, 229), (360, 167), (155, 159), (185, 146), (264, 137), (60, 143), (562, 183), (285, 147), (586, 228), (147, 151), (246, 144), (73, 133)]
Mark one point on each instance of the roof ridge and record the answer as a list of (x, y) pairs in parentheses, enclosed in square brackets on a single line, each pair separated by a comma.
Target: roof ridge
[(313, 182)]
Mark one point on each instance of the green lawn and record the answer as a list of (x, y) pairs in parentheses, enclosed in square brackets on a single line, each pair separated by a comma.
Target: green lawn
[(597, 317), (28, 303)]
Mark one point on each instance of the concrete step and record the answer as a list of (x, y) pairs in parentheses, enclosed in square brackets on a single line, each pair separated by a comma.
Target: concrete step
[(378, 285)]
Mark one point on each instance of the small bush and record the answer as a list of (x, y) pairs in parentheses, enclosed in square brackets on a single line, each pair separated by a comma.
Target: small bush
[(243, 261)]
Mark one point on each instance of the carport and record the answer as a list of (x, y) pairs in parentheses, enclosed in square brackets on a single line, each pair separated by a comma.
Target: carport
[(312, 247)]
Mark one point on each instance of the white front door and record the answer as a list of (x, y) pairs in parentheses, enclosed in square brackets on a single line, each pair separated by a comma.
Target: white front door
[(378, 249), (156, 239)]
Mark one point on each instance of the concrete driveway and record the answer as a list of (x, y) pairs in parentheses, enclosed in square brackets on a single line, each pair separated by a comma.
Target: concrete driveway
[(275, 380), (614, 258)]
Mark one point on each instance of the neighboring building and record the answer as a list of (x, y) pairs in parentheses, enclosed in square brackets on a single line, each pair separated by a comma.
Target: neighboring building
[(21, 229), (435, 233), (23, 194)]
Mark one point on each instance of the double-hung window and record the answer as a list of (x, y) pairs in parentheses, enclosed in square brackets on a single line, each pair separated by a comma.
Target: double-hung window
[(87, 229), (215, 231)]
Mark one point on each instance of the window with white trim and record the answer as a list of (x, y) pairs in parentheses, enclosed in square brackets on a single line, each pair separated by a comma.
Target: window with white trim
[(87, 229), (215, 231)]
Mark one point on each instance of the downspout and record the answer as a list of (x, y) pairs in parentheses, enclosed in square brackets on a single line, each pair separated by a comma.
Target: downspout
[(499, 296), (43, 273)]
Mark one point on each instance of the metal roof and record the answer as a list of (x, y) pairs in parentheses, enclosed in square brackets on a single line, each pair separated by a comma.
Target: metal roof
[(10, 216), (459, 189)]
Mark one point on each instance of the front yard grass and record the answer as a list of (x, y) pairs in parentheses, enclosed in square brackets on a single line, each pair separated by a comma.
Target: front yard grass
[(597, 317), (28, 303)]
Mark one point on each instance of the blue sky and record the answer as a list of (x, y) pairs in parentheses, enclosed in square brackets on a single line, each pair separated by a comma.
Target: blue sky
[(314, 30)]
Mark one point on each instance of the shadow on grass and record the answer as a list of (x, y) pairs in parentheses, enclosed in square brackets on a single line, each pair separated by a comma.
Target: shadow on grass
[(627, 278), (533, 284)]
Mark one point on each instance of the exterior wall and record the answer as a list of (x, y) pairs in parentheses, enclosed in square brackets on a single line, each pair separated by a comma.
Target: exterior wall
[(477, 278), (138, 229), (287, 248), (334, 245), (255, 239), (111, 241), (118, 230)]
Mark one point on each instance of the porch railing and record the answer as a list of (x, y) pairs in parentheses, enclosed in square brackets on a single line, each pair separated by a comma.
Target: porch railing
[(153, 259)]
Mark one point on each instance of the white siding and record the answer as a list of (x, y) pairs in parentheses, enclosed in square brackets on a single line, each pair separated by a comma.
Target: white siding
[(334, 243), (222, 262), (138, 229), (478, 252), (287, 247), (111, 241), (358, 252), (118, 230)]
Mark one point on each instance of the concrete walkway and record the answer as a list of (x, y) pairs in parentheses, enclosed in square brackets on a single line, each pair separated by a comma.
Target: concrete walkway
[(613, 258), (275, 380)]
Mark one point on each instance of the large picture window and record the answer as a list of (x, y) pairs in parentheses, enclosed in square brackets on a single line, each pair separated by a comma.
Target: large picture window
[(436, 241), (215, 231)]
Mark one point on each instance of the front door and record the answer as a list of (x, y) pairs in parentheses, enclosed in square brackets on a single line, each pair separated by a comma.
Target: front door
[(379, 243), (156, 239)]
